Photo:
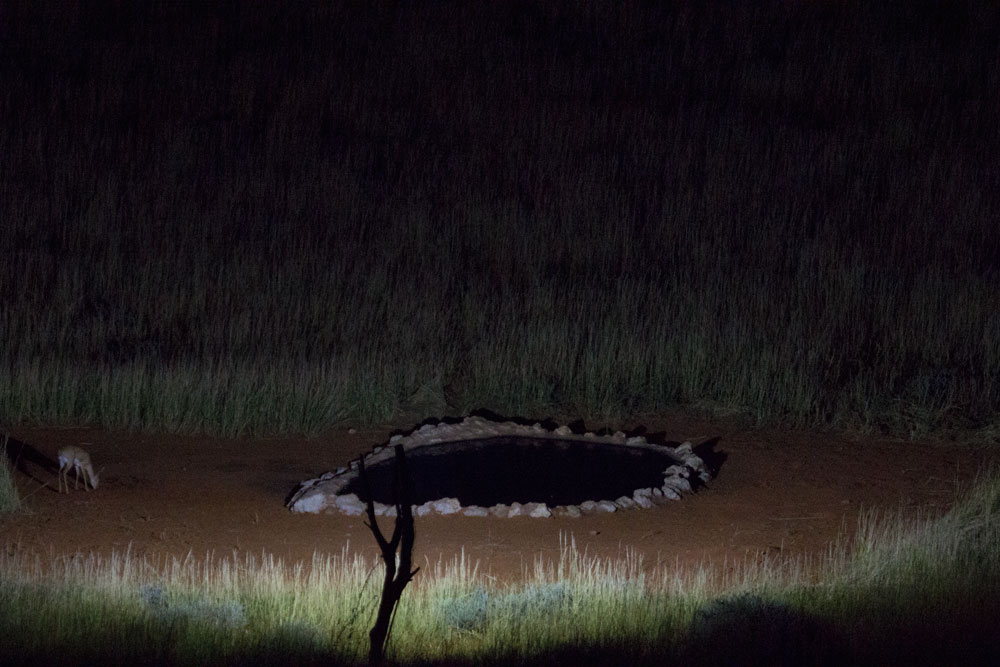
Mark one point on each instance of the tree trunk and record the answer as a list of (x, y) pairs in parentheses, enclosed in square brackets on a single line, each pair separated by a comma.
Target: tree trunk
[(403, 536)]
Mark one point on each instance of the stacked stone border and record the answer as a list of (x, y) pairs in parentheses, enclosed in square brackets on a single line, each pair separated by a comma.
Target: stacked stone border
[(322, 494)]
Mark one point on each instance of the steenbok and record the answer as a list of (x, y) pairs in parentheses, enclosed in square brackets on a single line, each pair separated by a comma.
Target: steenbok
[(79, 460)]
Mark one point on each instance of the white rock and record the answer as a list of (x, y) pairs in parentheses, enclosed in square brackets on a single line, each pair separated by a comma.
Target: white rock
[(537, 510), (424, 510), (475, 510), (446, 505), (588, 505), (500, 511), (642, 501), (670, 493), (350, 504), (311, 502), (606, 506), (678, 484), (514, 510), (625, 503), (573, 511)]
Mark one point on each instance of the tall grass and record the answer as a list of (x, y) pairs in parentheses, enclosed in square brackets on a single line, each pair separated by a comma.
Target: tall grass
[(907, 590), (280, 218), (10, 499)]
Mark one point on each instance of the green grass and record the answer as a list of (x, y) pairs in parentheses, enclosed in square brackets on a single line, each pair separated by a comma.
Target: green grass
[(245, 221), (906, 590)]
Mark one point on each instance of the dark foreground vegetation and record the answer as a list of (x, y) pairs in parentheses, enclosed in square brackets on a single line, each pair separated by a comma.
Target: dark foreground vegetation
[(262, 216)]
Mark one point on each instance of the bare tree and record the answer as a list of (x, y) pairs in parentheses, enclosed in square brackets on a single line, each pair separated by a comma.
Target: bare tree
[(402, 537)]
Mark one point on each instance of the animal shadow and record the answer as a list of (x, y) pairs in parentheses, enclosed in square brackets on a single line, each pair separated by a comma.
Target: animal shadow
[(28, 460)]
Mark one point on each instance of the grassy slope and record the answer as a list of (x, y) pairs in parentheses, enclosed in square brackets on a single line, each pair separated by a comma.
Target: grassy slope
[(277, 219)]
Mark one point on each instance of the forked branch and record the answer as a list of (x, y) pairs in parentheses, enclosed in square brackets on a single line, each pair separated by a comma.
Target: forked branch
[(403, 536)]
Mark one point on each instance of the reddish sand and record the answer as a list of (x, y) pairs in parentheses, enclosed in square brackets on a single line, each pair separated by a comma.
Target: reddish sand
[(778, 492)]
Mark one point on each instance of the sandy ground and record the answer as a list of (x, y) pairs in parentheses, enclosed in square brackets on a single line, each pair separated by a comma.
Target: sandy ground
[(779, 492)]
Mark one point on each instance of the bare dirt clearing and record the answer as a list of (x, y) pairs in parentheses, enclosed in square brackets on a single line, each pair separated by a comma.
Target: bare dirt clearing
[(779, 492)]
